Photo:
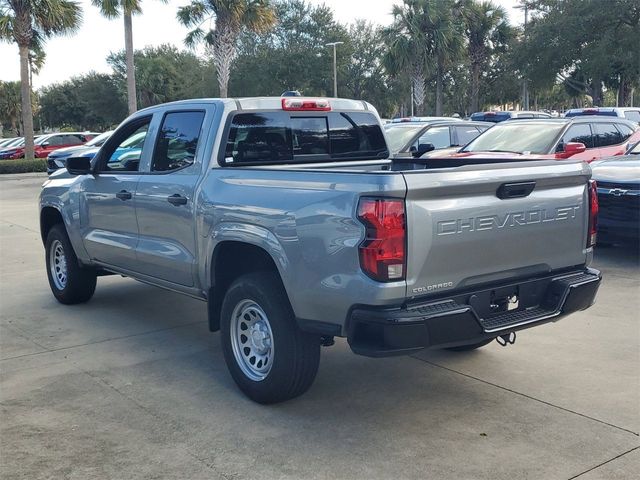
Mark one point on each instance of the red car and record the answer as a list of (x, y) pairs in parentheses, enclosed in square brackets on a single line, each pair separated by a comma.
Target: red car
[(583, 138), (45, 144)]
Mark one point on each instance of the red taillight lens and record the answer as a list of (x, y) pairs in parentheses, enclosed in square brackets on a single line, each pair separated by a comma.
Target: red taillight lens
[(382, 253), (297, 104), (593, 213)]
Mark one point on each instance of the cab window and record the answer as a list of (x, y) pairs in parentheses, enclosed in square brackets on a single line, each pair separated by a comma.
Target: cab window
[(177, 141), (123, 152)]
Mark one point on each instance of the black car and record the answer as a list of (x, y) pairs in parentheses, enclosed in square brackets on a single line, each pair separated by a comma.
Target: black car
[(618, 181), (413, 139)]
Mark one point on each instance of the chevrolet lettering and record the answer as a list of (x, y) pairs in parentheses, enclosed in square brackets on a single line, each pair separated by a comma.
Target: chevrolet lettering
[(515, 219)]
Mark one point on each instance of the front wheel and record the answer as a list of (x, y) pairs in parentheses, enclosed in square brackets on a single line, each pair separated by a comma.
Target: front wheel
[(69, 281), (268, 356)]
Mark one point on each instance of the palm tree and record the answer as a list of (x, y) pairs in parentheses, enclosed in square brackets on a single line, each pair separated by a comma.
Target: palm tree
[(10, 107), (29, 23), (442, 26), (407, 49), (126, 8), (486, 28), (231, 17)]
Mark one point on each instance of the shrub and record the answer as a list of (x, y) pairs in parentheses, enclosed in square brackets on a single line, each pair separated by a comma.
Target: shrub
[(23, 165)]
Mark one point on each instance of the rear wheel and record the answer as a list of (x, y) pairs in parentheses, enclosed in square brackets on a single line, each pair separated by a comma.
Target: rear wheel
[(69, 282), (268, 356), (473, 346)]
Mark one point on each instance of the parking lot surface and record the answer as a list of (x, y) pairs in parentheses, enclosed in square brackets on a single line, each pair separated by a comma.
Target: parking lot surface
[(132, 385)]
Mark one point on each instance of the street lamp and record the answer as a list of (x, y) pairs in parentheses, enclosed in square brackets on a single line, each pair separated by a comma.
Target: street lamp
[(335, 67), (525, 87)]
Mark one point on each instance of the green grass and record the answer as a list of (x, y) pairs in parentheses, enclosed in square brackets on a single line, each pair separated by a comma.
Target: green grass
[(23, 166)]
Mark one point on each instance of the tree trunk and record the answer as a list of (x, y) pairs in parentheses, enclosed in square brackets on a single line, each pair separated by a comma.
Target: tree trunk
[(418, 83), (25, 91), (224, 52), (439, 75), (596, 92), (131, 69), (475, 88)]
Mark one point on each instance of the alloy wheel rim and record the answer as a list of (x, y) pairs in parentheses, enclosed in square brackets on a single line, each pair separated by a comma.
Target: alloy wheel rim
[(58, 265), (252, 340)]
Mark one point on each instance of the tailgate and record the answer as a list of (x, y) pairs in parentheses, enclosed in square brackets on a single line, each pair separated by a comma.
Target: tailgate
[(461, 234)]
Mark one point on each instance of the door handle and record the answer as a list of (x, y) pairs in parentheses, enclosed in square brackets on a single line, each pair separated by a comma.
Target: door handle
[(177, 199), (124, 195), (515, 190)]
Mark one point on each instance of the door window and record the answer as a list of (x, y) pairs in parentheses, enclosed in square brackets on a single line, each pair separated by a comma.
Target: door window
[(466, 134), (177, 141), (124, 153), (607, 134), (578, 133), (624, 130), (438, 136)]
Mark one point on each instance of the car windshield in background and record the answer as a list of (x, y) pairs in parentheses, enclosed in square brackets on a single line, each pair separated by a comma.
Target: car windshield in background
[(99, 140), (277, 137), (399, 135), (493, 117), (536, 138), (633, 115)]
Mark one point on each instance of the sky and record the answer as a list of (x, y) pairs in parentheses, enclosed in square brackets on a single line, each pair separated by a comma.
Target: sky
[(88, 48)]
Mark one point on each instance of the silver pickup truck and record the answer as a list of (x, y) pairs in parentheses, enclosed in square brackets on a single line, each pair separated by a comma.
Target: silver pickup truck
[(287, 217)]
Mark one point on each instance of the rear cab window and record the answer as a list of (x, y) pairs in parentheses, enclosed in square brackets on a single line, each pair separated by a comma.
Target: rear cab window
[(262, 138)]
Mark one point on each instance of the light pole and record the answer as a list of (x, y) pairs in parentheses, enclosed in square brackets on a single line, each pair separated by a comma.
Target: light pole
[(525, 87), (335, 67)]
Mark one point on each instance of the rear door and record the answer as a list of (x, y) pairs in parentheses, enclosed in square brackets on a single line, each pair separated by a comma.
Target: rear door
[(488, 223), (165, 200)]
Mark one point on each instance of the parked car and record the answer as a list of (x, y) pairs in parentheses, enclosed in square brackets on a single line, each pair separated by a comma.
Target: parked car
[(406, 140), (579, 138), (424, 119), (45, 144), (629, 113), (57, 158), (15, 149), (618, 180), (283, 214), (5, 142), (501, 116)]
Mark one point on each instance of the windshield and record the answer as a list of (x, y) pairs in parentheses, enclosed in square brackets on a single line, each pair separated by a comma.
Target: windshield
[(99, 140), (399, 136), (537, 138)]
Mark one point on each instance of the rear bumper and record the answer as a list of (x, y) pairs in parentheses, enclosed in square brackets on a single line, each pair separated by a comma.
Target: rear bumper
[(465, 319)]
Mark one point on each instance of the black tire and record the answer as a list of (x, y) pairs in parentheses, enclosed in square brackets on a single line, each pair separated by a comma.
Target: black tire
[(296, 354), (80, 282), (473, 346)]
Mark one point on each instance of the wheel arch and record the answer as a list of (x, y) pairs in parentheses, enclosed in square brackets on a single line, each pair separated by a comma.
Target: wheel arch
[(49, 216), (229, 260)]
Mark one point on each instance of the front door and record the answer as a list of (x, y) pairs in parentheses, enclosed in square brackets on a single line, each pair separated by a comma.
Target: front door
[(165, 203), (108, 214)]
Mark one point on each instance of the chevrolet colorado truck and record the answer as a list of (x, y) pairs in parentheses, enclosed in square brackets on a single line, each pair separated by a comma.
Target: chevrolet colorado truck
[(287, 217)]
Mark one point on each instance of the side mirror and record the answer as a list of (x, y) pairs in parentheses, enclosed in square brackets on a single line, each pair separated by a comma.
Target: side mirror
[(571, 148), (422, 149), (78, 165), (45, 144)]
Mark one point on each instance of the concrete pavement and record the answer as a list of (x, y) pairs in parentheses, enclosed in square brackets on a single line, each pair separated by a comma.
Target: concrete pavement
[(132, 385)]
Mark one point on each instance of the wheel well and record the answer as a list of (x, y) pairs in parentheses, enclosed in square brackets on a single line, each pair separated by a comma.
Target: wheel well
[(49, 217), (231, 260)]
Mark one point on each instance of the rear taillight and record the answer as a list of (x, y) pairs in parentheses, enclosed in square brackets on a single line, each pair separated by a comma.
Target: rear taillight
[(383, 251), (593, 213)]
